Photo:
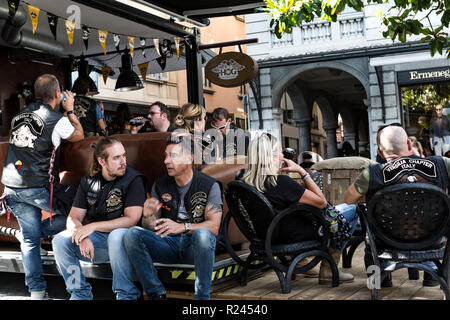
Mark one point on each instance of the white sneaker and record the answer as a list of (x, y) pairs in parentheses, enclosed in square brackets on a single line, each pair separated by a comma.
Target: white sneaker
[(39, 295)]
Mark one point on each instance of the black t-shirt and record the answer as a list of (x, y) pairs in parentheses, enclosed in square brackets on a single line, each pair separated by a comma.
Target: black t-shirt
[(135, 195), (293, 227)]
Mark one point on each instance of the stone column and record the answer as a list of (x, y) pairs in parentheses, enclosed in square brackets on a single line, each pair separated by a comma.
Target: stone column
[(331, 142), (304, 133)]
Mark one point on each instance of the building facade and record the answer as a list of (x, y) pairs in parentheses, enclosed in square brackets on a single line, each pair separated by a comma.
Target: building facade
[(349, 71)]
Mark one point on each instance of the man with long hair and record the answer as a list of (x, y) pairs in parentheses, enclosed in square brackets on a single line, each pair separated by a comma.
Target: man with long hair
[(111, 199)]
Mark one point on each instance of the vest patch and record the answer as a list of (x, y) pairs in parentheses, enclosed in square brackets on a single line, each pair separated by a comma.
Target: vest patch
[(25, 129), (198, 204), (398, 167), (166, 197), (114, 200), (81, 107)]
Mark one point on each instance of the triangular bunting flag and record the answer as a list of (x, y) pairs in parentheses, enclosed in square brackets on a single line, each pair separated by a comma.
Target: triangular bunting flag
[(86, 32), (143, 67), (52, 22), (116, 38), (131, 43), (162, 62), (156, 43), (178, 47), (34, 15), (142, 43), (70, 28), (102, 35), (13, 5), (105, 73)]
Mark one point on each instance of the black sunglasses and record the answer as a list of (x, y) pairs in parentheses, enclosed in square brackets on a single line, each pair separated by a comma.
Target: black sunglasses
[(395, 124), (175, 139)]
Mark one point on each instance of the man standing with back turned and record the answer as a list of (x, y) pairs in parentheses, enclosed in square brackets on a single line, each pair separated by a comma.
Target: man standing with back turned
[(35, 132)]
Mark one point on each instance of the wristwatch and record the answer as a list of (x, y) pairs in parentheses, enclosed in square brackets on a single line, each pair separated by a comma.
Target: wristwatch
[(187, 226), (70, 112)]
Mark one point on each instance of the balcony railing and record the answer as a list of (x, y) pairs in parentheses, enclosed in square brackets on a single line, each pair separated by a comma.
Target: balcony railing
[(322, 33)]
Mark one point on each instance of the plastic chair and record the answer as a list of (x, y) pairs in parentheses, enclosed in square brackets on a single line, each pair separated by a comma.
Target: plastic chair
[(257, 220), (407, 221)]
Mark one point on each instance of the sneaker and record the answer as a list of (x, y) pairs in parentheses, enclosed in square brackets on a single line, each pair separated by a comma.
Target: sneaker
[(43, 252), (39, 295)]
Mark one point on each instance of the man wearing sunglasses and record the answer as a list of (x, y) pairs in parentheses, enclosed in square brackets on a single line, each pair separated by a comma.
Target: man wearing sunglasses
[(158, 120), (232, 140)]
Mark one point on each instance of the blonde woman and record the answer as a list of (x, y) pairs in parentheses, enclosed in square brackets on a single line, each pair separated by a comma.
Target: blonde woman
[(192, 118), (265, 163)]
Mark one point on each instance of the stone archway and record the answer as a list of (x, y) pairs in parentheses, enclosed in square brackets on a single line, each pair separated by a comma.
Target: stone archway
[(336, 87)]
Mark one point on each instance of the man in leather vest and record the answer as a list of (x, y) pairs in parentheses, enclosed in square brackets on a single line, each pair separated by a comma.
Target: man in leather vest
[(110, 198), (36, 131), (402, 166), (232, 140), (87, 110), (180, 223)]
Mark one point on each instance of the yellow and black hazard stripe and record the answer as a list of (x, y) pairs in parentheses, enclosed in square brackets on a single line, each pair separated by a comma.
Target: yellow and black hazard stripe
[(179, 275)]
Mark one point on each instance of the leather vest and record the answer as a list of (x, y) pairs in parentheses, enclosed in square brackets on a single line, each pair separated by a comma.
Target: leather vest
[(30, 146), (410, 169), (106, 202), (194, 200), (84, 108)]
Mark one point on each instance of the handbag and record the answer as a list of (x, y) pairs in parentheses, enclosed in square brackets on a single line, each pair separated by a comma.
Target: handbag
[(340, 230)]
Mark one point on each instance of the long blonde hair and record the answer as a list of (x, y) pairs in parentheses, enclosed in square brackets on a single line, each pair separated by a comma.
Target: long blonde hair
[(261, 166), (188, 114)]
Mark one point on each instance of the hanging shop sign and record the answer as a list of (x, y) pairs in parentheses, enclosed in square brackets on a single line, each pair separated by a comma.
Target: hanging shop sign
[(423, 76), (231, 69)]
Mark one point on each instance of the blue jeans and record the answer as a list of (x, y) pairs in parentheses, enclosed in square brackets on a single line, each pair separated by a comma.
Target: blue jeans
[(26, 205), (108, 247), (349, 212), (145, 247)]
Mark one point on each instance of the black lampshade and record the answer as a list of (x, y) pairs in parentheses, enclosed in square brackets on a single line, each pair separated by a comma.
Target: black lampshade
[(83, 72), (128, 80)]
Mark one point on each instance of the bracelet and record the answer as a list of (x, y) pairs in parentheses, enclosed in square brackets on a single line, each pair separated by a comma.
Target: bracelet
[(70, 112), (305, 176)]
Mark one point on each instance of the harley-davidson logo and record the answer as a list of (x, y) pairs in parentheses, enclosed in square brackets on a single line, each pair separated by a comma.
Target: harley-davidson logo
[(228, 69), (166, 197)]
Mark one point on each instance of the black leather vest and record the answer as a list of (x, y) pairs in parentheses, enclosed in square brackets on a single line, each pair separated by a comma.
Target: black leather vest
[(107, 202), (410, 169), (194, 200), (84, 108), (30, 146)]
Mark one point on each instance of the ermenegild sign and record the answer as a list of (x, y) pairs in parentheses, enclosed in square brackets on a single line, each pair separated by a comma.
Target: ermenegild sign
[(423, 76), (231, 69)]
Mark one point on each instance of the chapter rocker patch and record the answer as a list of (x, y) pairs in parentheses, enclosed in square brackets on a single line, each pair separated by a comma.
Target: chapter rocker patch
[(398, 167), (25, 129)]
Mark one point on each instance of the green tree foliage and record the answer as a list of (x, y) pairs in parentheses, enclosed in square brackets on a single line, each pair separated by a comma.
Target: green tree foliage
[(400, 21)]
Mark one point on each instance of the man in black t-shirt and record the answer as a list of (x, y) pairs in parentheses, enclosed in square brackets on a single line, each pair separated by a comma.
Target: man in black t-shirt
[(111, 199)]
